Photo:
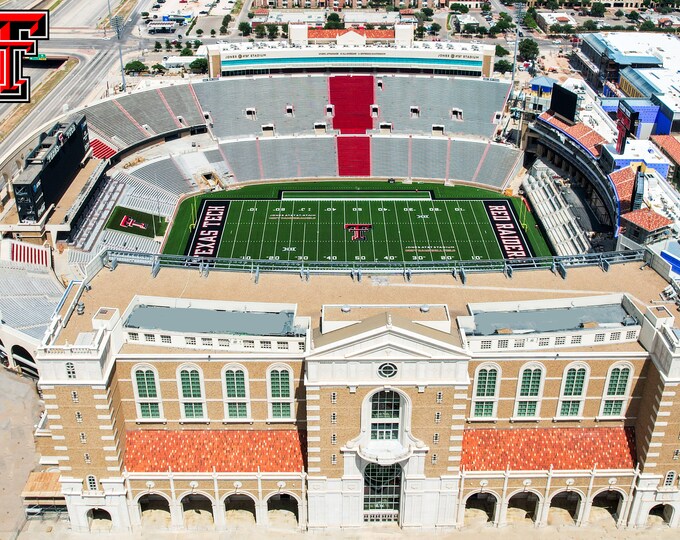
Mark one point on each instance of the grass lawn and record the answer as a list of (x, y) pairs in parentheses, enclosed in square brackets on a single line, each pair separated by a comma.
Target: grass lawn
[(141, 223), (309, 222)]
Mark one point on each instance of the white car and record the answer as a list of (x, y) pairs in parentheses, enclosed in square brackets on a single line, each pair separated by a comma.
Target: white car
[(556, 42)]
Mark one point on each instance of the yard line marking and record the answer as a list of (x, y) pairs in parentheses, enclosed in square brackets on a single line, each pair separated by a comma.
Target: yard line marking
[(453, 232), (413, 233), (467, 233), (481, 235), (356, 205), (290, 236), (264, 229), (278, 224), (387, 242), (441, 237), (318, 227), (427, 234), (238, 224), (370, 217), (344, 235), (396, 221)]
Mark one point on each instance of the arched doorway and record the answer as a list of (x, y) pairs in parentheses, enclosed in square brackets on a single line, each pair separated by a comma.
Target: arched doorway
[(23, 360), (155, 511), (282, 511), (660, 515), (198, 512), (240, 509), (4, 360), (382, 492), (564, 508), (606, 507), (522, 507), (99, 520), (480, 508)]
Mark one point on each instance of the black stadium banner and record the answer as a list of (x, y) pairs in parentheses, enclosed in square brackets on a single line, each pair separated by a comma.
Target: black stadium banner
[(507, 230), (212, 217)]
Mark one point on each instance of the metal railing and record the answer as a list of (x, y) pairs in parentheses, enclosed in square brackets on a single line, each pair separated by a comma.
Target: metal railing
[(559, 264)]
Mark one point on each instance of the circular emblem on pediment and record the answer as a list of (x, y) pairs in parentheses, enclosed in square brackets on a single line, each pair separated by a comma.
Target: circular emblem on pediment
[(387, 370)]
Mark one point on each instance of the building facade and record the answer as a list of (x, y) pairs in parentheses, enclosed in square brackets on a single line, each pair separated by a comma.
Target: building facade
[(419, 412)]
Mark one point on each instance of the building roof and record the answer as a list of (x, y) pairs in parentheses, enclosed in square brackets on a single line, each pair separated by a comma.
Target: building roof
[(642, 48), (201, 450), (670, 146), (647, 219), (624, 182), (542, 80), (590, 139), (317, 33), (42, 485), (543, 448)]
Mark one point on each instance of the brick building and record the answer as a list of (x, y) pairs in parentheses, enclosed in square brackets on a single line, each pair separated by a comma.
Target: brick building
[(199, 399)]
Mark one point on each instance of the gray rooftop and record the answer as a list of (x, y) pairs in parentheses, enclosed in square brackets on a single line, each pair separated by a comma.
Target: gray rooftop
[(551, 320), (212, 321)]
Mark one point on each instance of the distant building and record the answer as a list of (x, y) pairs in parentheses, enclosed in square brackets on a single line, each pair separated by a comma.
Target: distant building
[(670, 147), (661, 87), (546, 19), (603, 55)]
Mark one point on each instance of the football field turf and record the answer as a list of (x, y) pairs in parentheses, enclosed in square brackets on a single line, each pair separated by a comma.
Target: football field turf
[(350, 226)]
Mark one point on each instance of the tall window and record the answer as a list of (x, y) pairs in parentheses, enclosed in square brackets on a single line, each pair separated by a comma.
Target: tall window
[(235, 393), (529, 392), (92, 483), (573, 390), (616, 391), (148, 403), (70, 370), (385, 415), (382, 492), (669, 480), (486, 393), (191, 395), (280, 394)]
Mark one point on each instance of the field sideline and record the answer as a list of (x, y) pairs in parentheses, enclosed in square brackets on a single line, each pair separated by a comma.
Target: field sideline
[(380, 222)]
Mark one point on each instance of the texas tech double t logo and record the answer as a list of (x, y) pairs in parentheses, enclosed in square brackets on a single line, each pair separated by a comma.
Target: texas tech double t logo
[(19, 35)]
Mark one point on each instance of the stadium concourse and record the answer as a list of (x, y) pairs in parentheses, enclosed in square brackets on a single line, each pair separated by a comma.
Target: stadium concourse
[(430, 371)]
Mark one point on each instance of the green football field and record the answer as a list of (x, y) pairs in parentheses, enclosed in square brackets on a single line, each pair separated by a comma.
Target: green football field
[(401, 225)]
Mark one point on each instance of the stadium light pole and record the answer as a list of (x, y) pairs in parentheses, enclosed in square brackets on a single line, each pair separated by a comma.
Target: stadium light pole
[(519, 6), (115, 24)]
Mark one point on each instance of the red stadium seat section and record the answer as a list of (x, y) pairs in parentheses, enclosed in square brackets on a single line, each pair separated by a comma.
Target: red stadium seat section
[(354, 156), (352, 98)]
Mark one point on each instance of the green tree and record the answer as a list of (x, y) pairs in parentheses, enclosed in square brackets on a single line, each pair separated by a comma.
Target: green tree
[(530, 22), (460, 8), (135, 67), (369, 26), (501, 51), (200, 65), (199, 32), (168, 45), (144, 14), (597, 9), (223, 29), (647, 26), (552, 5), (470, 28), (502, 66), (590, 25), (333, 22), (197, 43), (435, 28), (212, 32), (485, 7), (186, 51), (157, 46), (420, 31), (159, 68), (633, 16), (619, 13), (260, 31), (178, 46), (528, 49), (226, 20), (245, 28), (272, 31), (428, 12)]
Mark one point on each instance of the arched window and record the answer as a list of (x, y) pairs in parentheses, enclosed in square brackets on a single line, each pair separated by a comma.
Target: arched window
[(616, 390), (191, 393), (486, 392), (92, 483), (236, 393), (148, 402), (280, 393), (529, 392), (669, 480), (385, 415), (70, 370), (573, 391)]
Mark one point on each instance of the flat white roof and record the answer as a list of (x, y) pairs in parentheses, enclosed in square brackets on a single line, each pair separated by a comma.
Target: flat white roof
[(668, 82), (664, 46), (372, 17), (554, 18), (286, 17), (641, 149)]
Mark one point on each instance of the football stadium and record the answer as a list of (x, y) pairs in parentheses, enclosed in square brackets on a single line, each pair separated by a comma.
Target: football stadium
[(324, 298)]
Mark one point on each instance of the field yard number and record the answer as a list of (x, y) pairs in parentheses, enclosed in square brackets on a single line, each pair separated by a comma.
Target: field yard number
[(252, 209), (381, 209), (331, 258), (302, 257), (279, 209), (330, 209), (357, 209), (433, 209), (459, 209), (407, 209), (476, 257), (359, 258), (389, 258), (418, 257)]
